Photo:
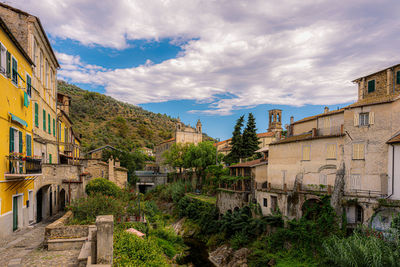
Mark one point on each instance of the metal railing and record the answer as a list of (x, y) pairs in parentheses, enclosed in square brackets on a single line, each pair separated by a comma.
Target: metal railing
[(23, 165)]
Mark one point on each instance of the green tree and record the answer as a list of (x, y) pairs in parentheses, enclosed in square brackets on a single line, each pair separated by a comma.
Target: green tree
[(199, 158), (250, 140), (174, 156), (236, 143)]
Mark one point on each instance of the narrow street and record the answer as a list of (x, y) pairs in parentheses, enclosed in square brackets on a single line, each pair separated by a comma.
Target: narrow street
[(25, 248)]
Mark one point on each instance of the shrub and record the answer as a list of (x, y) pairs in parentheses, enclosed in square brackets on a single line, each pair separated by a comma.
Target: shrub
[(130, 250), (168, 241), (239, 240), (85, 210), (102, 186)]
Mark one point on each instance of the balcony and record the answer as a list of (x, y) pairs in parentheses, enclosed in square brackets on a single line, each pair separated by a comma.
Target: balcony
[(20, 166), (237, 184)]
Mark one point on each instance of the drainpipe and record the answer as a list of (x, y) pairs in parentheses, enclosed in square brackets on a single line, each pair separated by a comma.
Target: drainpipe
[(391, 194)]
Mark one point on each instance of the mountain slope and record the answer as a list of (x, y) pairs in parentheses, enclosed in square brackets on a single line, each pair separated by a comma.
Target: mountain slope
[(103, 120)]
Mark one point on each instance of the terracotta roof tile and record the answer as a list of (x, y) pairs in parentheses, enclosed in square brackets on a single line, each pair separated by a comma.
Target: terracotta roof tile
[(374, 100), (394, 139), (251, 163), (320, 115), (266, 134)]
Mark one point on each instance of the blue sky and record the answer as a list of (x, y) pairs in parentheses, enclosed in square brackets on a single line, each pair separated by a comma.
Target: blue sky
[(217, 60)]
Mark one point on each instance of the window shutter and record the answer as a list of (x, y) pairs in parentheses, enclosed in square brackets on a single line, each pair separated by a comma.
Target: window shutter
[(356, 119), (54, 127), (8, 60), (398, 77), (21, 145), (14, 71), (28, 145), (28, 85), (361, 151), (306, 153), (371, 118), (371, 86), (355, 151), (49, 122), (36, 115), (11, 140), (44, 120), (50, 158)]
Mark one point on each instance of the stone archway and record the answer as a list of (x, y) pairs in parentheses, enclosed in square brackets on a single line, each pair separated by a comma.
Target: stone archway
[(42, 202)]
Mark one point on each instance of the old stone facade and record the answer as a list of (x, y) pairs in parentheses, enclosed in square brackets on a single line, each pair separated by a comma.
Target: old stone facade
[(343, 153), (183, 135)]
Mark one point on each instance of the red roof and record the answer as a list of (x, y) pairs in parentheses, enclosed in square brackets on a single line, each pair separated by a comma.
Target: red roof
[(394, 139), (266, 134)]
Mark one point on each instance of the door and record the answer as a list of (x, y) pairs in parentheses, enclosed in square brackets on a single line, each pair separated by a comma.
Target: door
[(39, 196), (51, 202), (15, 213)]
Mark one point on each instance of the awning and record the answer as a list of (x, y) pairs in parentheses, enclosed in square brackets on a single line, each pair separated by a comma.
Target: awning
[(19, 120)]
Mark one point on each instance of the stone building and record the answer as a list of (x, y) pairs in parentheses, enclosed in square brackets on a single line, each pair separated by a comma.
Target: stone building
[(347, 153), (183, 135)]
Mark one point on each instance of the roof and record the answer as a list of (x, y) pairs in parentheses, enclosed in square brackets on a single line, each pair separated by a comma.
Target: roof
[(320, 115), (356, 80), (251, 163), (263, 149), (266, 134), (14, 40), (167, 141), (40, 25), (374, 101), (394, 139), (65, 115), (101, 148)]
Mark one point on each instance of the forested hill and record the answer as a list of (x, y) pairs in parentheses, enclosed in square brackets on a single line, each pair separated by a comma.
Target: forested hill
[(103, 120)]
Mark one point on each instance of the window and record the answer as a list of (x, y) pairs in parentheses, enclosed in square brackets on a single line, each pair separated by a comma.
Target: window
[(274, 203), (44, 120), (306, 152), (355, 181), (36, 114), (331, 151), (34, 48), (322, 179), (50, 158), (28, 145), (358, 151), (3, 59), (49, 122), (8, 63), (265, 202), (54, 127), (398, 77), (364, 119), (29, 85), (14, 71), (371, 86)]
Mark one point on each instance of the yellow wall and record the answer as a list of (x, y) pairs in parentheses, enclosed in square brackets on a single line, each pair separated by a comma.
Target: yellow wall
[(11, 100)]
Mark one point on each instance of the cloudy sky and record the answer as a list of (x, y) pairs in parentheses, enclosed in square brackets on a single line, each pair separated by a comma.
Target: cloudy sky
[(218, 59)]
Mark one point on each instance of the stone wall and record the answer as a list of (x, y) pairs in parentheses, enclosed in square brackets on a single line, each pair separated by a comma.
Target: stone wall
[(229, 200)]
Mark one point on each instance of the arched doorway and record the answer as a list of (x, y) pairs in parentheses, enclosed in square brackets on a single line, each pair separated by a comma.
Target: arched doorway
[(39, 205), (62, 199), (311, 208)]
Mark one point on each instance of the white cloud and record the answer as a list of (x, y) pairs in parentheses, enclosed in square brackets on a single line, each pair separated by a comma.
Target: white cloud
[(257, 52)]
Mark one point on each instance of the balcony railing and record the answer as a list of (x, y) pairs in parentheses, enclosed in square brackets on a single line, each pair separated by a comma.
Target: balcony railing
[(19, 165)]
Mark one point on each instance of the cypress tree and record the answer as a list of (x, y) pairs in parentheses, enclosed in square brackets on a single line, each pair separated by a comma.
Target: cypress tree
[(250, 140), (236, 142)]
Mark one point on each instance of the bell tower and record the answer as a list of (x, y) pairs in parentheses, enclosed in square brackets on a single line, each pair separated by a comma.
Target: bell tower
[(179, 125), (275, 120), (198, 126)]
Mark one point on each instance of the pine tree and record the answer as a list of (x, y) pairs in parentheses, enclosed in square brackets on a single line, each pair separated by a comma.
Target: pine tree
[(236, 142), (250, 140)]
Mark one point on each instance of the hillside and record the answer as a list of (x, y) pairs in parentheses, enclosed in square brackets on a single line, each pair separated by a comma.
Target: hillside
[(103, 120)]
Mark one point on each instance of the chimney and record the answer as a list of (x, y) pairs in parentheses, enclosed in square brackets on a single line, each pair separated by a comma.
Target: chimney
[(314, 132), (326, 110), (291, 119)]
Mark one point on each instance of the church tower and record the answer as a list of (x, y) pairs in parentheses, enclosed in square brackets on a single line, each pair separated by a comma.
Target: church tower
[(179, 125), (275, 120), (198, 126)]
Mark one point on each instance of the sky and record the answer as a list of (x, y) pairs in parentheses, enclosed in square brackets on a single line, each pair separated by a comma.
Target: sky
[(216, 60)]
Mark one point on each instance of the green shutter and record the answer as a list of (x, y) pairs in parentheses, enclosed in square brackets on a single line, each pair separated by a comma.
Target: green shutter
[(8, 58), (14, 71), (29, 85), (28, 145), (49, 122), (21, 145), (371, 86), (54, 127), (11, 140), (36, 115), (50, 158), (44, 120), (398, 77)]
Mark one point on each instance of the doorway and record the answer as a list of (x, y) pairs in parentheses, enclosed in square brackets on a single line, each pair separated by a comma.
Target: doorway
[(15, 213), (39, 199)]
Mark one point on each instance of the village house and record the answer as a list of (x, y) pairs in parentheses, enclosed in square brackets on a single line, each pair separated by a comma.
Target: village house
[(183, 135), (18, 166), (347, 153)]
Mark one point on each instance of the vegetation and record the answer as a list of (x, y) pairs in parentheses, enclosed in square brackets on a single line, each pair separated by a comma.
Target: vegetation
[(250, 139), (236, 142), (102, 186)]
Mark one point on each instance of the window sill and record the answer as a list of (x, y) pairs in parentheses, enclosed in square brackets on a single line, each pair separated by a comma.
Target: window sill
[(359, 159)]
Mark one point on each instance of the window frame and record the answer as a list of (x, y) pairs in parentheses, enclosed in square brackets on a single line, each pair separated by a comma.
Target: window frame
[(353, 150), (363, 119), (369, 84), (302, 153), (5, 59)]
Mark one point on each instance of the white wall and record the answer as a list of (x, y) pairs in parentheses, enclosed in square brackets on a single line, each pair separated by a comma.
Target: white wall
[(394, 170)]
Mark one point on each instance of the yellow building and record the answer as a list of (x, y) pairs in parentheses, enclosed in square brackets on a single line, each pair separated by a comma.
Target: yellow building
[(18, 167), (69, 143)]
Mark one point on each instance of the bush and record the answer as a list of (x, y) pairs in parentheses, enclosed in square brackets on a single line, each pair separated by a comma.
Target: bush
[(85, 210), (361, 250), (102, 186), (130, 250), (239, 240), (169, 242)]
